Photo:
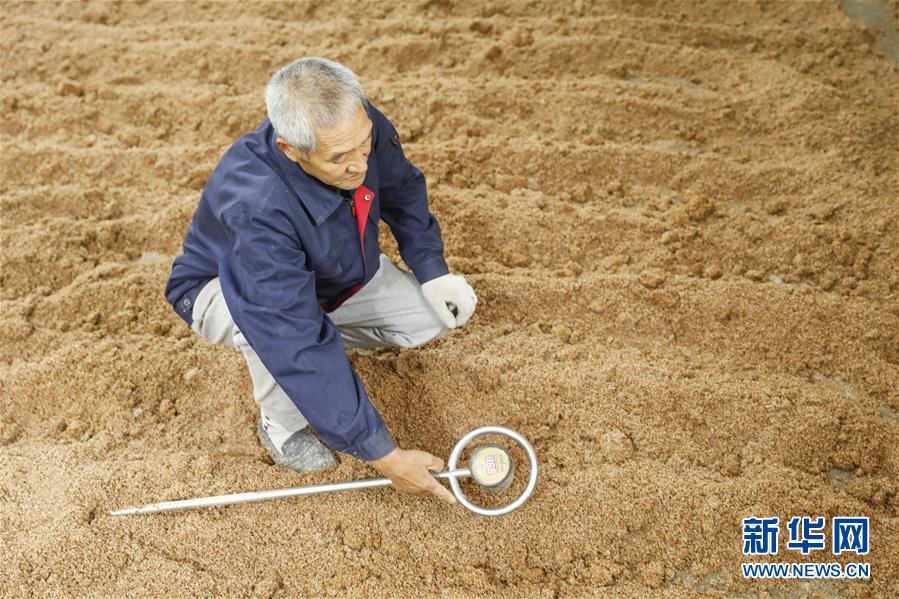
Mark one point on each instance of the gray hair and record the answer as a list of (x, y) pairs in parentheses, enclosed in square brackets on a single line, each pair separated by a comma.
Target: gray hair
[(309, 94)]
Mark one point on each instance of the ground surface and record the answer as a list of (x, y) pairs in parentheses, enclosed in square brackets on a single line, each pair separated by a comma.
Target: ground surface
[(681, 221)]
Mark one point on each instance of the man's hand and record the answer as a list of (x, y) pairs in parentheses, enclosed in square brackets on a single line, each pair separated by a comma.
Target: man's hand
[(409, 471), (450, 292)]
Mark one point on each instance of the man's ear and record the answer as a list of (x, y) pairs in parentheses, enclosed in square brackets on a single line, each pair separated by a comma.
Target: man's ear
[(292, 153)]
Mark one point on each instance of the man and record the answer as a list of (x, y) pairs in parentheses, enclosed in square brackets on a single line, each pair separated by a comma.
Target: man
[(282, 262)]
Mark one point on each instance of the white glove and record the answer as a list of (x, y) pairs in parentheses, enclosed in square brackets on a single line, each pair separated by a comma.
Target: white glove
[(452, 298)]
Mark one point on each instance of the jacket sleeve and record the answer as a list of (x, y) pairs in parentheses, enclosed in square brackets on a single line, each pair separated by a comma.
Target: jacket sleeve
[(273, 301), (404, 205)]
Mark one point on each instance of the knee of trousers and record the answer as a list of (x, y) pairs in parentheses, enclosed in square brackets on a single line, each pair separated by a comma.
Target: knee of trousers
[(417, 337)]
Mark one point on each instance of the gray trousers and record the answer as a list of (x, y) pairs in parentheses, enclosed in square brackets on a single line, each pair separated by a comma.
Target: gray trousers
[(390, 311)]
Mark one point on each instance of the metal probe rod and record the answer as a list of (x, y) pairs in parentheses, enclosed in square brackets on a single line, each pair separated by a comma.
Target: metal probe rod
[(186, 504)]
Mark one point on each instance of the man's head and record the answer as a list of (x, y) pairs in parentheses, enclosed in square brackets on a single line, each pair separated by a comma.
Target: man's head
[(318, 111)]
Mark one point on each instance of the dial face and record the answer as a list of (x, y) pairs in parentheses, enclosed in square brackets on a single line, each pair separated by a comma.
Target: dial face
[(491, 466)]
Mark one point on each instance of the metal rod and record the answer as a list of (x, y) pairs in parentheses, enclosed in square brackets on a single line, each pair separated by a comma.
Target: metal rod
[(186, 504)]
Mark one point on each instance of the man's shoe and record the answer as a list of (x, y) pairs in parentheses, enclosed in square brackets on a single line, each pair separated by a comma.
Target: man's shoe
[(302, 451)]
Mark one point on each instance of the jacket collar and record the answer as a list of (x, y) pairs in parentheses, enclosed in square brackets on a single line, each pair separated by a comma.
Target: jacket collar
[(319, 199)]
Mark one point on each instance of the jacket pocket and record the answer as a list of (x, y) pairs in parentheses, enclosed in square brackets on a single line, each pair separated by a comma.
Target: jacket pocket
[(329, 266)]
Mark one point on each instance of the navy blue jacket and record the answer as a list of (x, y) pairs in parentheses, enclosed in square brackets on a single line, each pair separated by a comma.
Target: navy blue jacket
[(288, 249)]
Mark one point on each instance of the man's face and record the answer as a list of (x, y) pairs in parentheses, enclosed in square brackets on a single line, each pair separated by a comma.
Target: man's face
[(341, 159)]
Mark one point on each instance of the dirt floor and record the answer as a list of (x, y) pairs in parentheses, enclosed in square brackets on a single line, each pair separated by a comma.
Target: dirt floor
[(681, 222)]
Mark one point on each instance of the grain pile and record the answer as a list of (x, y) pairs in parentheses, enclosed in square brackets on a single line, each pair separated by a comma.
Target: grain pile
[(681, 222)]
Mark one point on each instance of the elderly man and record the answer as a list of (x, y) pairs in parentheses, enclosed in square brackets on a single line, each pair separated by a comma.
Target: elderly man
[(282, 262)]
